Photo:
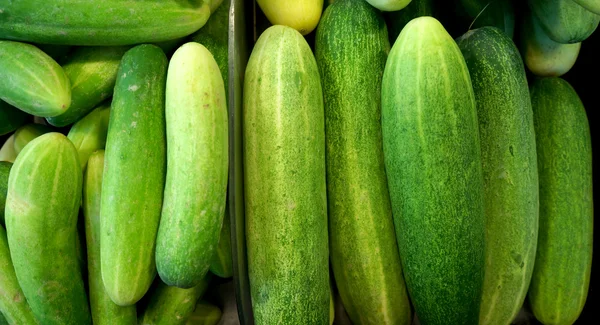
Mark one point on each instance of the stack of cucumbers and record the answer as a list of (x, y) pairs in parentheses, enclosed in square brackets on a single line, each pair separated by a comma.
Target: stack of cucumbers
[(113, 180), (433, 175)]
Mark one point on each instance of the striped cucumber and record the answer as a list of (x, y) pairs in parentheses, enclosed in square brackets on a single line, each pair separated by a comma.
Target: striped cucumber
[(89, 133), (10, 118), (221, 263), (27, 133), (7, 152), (4, 172), (564, 21)]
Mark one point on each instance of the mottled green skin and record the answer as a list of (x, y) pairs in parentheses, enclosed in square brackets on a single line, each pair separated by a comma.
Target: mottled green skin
[(27, 133), (496, 13), (197, 168), (564, 21), (284, 181), (104, 311), (398, 19), (433, 164), (44, 192), (169, 305), (7, 152), (105, 23), (89, 133), (205, 314), (4, 172), (591, 5), (509, 162), (351, 50), (132, 199), (32, 81), (221, 264), (561, 275), (10, 118), (93, 72)]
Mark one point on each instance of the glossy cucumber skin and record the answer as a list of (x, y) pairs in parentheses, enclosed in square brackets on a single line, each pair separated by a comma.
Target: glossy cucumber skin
[(27, 133), (561, 274), (564, 21), (284, 181), (131, 200), (351, 50), (7, 152), (89, 133), (10, 118), (44, 193), (221, 263), (5, 167), (105, 23), (32, 81)]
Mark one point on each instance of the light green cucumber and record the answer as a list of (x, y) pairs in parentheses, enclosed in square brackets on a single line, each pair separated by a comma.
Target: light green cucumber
[(389, 5), (7, 152), (89, 133), (221, 263), (564, 21), (27, 133), (591, 5), (205, 314), (10, 118)]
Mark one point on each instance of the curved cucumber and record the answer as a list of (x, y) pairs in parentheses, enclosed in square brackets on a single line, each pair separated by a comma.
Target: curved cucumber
[(134, 175), (284, 181), (303, 16), (221, 263), (89, 133), (10, 118), (7, 152), (591, 5), (32, 81), (564, 21), (4, 172), (44, 192), (351, 50), (433, 165), (27, 133)]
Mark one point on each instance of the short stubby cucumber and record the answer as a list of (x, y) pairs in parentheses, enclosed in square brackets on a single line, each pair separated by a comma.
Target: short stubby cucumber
[(561, 274), (27, 133), (4, 172), (284, 181), (221, 263), (89, 133), (564, 21), (433, 165), (44, 193), (509, 162), (134, 175), (10, 118), (32, 81), (7, 152)]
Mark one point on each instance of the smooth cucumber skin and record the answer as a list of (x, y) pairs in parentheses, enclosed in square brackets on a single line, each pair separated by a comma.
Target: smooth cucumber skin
[(105, 23), (498, 13), (27, 133), (561, 275), (433, 165), (303, 16), (92, 72), (134, 175), (389, 5), (564, 21), (104, 310), (396, 20), (10, 118), (197, 168), (7, 152), (32, 81), (4, 172), (89, 133), (284, 173), (351, 50), (44, 193), (509, 163), (591, 5), (221, 263)]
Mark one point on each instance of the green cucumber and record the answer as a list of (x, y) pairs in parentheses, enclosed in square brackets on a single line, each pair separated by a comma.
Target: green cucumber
[(108, 22), (4, 172), (591, 5), (92, 72), (351, 50), (561, 274), (564, 21), (221, 263), (44, 193), (27, 133), (134, 175), (205, 314), (396, 20), (497, 13), (89, 133), (509, 162), (7, 152), (284, 181), (104, 310), (433, 165), (389, 5), (32, 81), (10, 118)]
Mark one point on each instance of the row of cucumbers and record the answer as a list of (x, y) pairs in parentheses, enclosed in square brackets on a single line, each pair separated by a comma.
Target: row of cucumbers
[(430, 174)]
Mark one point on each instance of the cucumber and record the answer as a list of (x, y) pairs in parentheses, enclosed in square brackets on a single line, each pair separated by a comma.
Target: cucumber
[(301, 15), (433, 164), (497, 13), (92, 72), (396, 20), (509, 162), (351, 50), (104, 310), (284, 181), (591, 5), (197, 155), (7, 152), (205, 314), (564, 21), (221, 263), (561, 274), (89, 133), (32, 81), (4, 172), (44, 192), (105, 23), (389, 5), (134, 175), (10, 118), (27, 133)]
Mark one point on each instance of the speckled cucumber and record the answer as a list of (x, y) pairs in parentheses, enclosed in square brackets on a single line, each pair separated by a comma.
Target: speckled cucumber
[(10, 118), (561, 274), (27, 133), (4, 172), (509, 161), (89, 133), (221, 263), (44, 192), (564, 21), (132, 199), (284, 181), (363, 249), (433, 165)]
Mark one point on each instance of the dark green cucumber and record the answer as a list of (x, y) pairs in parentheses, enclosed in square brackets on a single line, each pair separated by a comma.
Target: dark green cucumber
[(396, 20), (564, 21), (10, 118), (4, 172), (44, 193), (89, 133), (561, 274), (134, 175), (221, 263), (433, 165), (284, 181), (7, 152), (509, 161), (496, 13), (351, 50), (27, 133)]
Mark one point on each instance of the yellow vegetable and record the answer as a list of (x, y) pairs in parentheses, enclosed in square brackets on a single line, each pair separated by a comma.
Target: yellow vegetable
[(302, 15)]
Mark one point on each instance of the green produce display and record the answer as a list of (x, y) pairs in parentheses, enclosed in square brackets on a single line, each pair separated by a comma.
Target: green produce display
[(7, 152), (221, 263), (10, 118), (89, 133), (27, 133), (4, 172), (564, 21)]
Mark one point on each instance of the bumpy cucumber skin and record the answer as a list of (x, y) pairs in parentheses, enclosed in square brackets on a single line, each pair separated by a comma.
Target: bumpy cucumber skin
[(433, 165), (104, 23), (27, 133), (134, 175), (284, 173), (509, 162), (7, 152), (44, 193), (561, 274), (32, 81), (221, 263), (351, 50), (89, 133), (303, 16), (4, 172), (10, 118), (564, 21)]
